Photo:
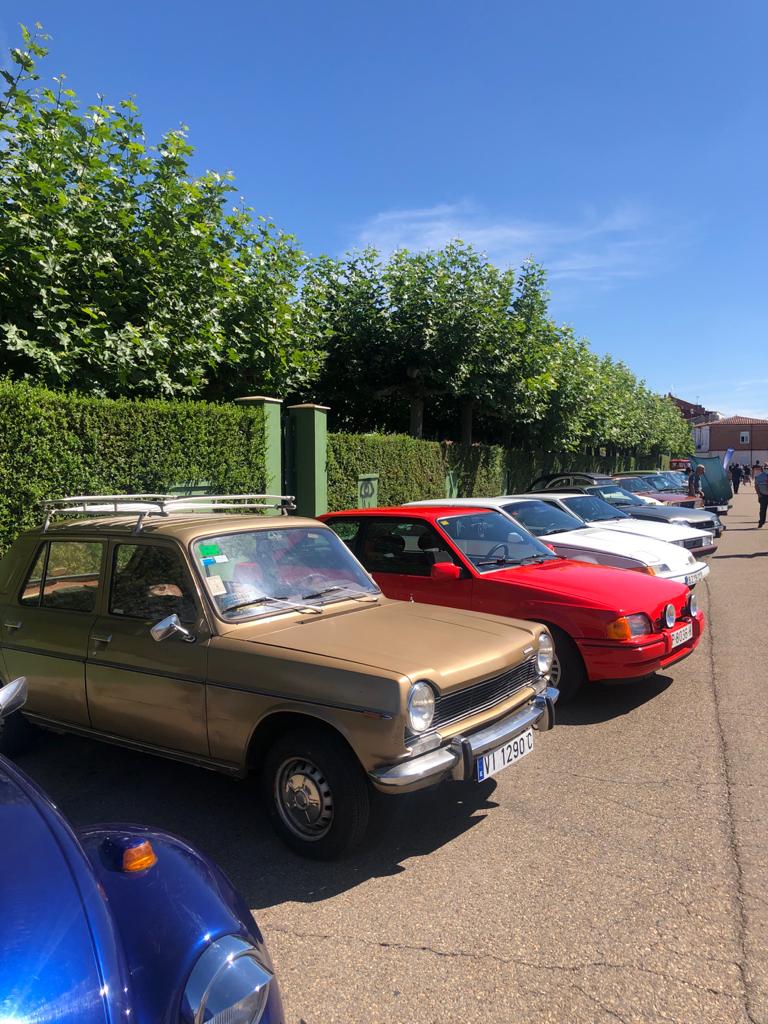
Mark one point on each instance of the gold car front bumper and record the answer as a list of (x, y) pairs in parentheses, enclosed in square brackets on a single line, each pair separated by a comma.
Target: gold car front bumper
[(456, 760)]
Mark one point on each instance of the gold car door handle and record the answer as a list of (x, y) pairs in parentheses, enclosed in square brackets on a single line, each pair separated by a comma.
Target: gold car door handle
[(12, 625), (105, 638)]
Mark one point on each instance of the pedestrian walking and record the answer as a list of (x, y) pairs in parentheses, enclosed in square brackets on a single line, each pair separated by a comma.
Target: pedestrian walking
[(761, 487), (746, 476), (695, 486), (735, 476)]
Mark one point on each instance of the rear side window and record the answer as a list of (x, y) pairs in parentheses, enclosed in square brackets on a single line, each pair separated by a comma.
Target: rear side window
[(404, 546), (347, 530), (30, 594), (65, 575)]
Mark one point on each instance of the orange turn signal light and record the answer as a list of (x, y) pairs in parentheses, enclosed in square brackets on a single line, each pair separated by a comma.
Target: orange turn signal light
[(139, 857), (619, 629)]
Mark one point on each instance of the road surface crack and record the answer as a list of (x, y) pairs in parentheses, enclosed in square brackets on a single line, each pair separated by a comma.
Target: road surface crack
[(507, 961), (730, 825)]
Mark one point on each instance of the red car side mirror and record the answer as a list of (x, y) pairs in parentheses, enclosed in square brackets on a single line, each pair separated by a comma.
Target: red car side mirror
[(445, 571)]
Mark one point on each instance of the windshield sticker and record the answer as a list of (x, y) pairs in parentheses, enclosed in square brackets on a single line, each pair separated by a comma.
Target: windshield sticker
[(443, 522), (216, 585), (209, 549), (213, 560)]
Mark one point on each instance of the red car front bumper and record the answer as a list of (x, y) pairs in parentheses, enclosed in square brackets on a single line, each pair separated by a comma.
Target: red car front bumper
[(613, 659)]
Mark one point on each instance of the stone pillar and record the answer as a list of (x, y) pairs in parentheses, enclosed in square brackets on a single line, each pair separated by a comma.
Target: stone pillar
[(308, 443)]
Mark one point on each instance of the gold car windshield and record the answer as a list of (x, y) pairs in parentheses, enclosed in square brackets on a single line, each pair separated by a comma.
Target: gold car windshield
[(264, 572)]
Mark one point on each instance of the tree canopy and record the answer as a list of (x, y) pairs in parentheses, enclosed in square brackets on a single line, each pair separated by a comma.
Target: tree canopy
[(122, 273)]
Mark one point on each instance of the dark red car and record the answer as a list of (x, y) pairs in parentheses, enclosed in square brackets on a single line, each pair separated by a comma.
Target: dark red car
[(606, 623)]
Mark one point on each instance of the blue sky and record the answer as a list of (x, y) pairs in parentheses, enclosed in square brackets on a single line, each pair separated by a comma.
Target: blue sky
[(624, 146)]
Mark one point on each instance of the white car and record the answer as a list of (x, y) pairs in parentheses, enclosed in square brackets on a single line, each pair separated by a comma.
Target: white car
[(595, 511), (571, 538)]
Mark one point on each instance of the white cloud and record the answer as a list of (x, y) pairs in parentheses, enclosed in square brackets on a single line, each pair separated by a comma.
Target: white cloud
[(598, 248)]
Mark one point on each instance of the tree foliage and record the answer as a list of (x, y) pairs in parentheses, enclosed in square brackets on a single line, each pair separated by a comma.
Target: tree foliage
[(447, 331), (121, 272), (124, 274)]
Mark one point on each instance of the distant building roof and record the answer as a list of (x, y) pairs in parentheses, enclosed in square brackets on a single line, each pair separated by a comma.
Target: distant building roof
[(734, 421)]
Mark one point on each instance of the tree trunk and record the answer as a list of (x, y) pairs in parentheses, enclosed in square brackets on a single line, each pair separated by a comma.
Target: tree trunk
[(417, 417), (467, 411)]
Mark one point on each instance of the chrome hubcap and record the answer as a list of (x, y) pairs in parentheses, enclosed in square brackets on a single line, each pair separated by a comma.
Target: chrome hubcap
[(304, 799)]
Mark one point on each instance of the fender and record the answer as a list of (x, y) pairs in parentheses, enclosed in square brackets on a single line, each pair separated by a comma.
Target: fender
[(167, 915)]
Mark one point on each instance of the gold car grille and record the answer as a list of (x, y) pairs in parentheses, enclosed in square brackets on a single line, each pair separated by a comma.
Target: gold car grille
[(482, 696)]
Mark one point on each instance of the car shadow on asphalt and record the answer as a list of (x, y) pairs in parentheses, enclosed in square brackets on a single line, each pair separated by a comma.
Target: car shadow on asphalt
[(94, 782), (601, 702)]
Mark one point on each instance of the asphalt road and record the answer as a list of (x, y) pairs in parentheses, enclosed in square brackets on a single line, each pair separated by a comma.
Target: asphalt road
[(617, 874)]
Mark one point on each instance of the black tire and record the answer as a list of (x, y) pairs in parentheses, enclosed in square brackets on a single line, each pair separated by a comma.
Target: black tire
[(568, 673), (17, 735), (335, 790)]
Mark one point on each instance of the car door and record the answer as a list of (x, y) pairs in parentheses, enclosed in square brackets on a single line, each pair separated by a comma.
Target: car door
[(400, 553), (45, 631), (141, 689)]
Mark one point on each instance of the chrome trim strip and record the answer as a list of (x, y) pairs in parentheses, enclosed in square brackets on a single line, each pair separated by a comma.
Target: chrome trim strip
[(301, 700), (41, 653), (200, 760)]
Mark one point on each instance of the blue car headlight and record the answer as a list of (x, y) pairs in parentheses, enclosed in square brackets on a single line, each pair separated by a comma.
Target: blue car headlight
[(228, 985)]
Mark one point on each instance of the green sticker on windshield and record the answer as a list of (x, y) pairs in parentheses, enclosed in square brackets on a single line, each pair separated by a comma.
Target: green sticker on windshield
[(210, 549)]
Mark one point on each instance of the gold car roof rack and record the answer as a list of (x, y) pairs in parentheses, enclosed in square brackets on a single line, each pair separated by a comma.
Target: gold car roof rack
[(143, 505)]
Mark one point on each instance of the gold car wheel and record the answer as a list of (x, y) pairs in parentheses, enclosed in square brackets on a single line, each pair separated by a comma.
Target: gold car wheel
[(304, 799)]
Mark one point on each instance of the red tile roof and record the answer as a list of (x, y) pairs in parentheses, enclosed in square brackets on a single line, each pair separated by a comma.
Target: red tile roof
[(733, 421)]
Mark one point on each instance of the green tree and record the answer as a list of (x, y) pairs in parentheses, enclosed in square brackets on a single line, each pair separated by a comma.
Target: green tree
[(121, 273)]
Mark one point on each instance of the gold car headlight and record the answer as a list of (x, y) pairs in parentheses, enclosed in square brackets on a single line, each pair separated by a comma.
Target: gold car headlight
[(228, 985), (545, 655), (421, 707)]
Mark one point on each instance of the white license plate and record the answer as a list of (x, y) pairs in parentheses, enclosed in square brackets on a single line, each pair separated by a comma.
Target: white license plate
[(694, 577), (497, 760), (681, 635)]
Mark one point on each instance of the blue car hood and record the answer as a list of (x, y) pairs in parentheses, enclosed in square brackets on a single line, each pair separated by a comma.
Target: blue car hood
[(52, 964)]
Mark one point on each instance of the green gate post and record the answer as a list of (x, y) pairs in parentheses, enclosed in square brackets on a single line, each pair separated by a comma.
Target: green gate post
[(273, 445), (309, 457)]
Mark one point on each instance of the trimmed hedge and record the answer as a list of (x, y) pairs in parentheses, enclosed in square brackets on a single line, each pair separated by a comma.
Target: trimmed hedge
[(53, 444), (410, 469)]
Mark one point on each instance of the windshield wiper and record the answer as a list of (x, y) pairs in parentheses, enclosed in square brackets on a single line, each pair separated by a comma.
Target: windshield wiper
[(498, 561), (273, 600), (535, 558), (354, 592)]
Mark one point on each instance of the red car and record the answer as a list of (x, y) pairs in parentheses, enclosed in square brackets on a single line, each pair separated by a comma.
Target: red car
[(606, 623)]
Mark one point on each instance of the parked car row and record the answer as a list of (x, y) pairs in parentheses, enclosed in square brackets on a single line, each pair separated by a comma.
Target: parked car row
[(656, 488), (374, 651)]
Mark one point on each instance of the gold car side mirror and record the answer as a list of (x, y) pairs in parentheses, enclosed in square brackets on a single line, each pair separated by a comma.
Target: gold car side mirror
[(171, 626)]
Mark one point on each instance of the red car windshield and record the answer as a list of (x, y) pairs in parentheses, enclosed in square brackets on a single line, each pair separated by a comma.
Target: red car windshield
[(490, 540)]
